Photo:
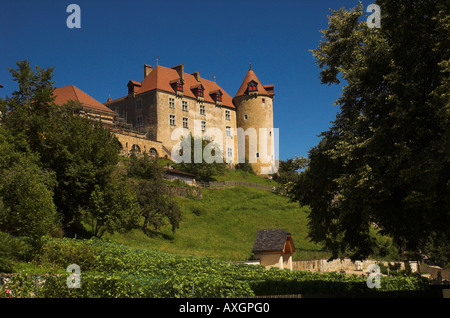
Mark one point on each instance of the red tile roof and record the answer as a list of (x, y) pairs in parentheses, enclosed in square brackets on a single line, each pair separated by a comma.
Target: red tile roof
[(261, 88), (161, 77), (71, 92)]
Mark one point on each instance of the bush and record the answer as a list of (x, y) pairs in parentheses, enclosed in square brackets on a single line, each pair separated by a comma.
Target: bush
[(11, 249), (244, 166), (198, 210), (63, 252)]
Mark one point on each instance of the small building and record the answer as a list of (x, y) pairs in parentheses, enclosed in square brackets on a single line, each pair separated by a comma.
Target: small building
[(174, 174), (274, 248)]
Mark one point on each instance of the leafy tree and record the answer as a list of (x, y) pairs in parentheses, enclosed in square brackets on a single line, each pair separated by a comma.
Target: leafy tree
[(145, 167), (204, 171), (26, 196), (81, 153), (113, 208), (156, 206), (385, 160), (288, 172)]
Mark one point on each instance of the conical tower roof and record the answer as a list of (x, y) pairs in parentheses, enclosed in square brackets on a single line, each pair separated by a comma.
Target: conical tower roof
[(251, 76)]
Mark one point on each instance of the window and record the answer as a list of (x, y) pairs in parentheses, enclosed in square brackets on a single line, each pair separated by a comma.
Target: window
[(139, 121), (257, 155), (227, 115), (218, 97), (228, 131), (263, 101), (230, 152), (203, 125), (179, 86), (135, 148), (252, 86), (245, 116), (171, 102), (172, 120), (138, 104), (202, 110), (200, 92), (185, 122), (185, 106)]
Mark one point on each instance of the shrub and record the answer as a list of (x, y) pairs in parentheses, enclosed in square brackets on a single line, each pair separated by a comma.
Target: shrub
[(63, 252), (11, 249)]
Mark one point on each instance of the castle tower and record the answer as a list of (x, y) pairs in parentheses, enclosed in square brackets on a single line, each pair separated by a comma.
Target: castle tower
[(254, 113)]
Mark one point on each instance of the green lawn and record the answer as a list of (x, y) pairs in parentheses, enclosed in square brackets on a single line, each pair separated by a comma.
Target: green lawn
[(237, 175), (223, 224)]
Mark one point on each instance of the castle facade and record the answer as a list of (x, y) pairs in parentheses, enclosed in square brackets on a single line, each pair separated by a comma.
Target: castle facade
[(168, 99)]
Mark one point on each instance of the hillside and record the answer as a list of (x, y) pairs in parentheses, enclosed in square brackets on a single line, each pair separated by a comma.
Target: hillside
[(223, 224)]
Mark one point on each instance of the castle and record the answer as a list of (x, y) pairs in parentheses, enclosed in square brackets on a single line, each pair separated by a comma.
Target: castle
[(167, 99)]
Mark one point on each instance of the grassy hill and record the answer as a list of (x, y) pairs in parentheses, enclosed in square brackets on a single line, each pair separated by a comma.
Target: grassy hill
[(223, 224)]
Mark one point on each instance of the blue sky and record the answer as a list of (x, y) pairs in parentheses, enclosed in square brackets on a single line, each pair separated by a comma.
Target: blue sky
[(218, 38)]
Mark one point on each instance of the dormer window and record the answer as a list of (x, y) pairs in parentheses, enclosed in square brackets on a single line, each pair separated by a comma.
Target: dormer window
[(133, 87), (252, 87), (177, 85), (198, 91), (217, 97)]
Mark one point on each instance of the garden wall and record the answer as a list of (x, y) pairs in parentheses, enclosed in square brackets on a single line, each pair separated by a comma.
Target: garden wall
[(342, 264)]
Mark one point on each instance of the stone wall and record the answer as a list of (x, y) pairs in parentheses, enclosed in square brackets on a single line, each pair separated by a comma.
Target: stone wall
[(214, 117), (128, 139), (189, 192), (231, 184), (342, 264)]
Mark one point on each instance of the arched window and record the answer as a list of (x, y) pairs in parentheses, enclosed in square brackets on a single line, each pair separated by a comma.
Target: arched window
[(135, 148), (153, 153)]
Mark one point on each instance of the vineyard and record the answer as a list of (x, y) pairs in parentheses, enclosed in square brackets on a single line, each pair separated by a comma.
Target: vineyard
[(114, 270)]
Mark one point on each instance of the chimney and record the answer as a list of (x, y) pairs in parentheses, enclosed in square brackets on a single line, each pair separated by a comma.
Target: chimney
[(180, 70), (197, 76), (147, 70)]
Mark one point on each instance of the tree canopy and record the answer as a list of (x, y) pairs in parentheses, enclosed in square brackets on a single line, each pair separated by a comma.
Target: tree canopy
[(53, 161), (385, 161)]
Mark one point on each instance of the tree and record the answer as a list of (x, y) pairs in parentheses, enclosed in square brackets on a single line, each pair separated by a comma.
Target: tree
[(145, 168), (288, 173), (113, 208), (203, 170), (81, 153), (26, 196), (156, 206), (385, 162)]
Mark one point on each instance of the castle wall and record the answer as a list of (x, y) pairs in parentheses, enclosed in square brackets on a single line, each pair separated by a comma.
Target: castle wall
[(215, 117), (127, 109), (145, 145)]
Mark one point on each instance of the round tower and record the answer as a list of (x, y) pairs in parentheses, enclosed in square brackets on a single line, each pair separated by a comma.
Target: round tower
[(254, 113)]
